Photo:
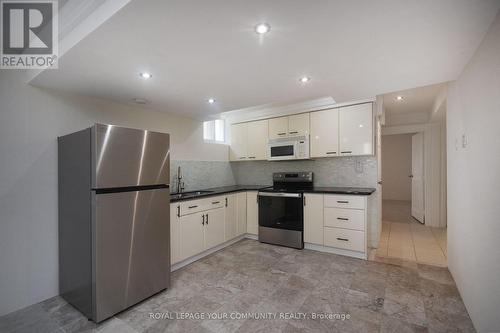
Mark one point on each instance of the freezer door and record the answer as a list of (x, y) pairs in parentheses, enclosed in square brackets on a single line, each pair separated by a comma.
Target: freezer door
[(125, 157), (132, 248)]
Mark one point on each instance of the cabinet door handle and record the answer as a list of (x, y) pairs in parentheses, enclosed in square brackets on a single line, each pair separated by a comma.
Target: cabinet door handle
[(206, 220), (342, 201), (293, 132), (342, 239), (242, 158), (203, 219), (178, 211), (304, 200), (331, 152), (191, 207), (342, 219), (226, 202), (251, 156), (282, 133), (216, 202), (346, 152)]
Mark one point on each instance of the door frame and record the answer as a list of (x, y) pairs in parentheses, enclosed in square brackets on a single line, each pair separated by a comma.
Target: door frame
[(417, 214), (434, 203)]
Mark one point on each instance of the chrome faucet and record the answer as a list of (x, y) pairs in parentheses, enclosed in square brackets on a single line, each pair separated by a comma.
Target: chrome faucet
[(180, 183)]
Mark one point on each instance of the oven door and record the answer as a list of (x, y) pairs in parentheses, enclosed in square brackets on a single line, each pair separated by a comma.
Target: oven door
[(281, 210), (282, 151)]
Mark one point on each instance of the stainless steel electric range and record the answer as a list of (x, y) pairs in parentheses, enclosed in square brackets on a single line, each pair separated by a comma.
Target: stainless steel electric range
[(281, 209)]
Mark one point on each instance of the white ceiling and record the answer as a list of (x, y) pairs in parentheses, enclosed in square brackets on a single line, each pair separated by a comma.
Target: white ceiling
[(201, 49), (414, 100)]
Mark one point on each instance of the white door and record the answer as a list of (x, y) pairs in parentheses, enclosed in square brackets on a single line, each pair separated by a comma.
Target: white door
[(257, 140), (417, 177), (192, 234), (230, 218), (252, 213), (238, 148), (298, 124), (325, 133), (278, 127), (356, 129), (241, 199), (214, 227)]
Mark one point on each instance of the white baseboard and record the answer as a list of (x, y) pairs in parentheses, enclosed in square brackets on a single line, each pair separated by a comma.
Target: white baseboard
[(252, 236), (334, 250), (192, 259)]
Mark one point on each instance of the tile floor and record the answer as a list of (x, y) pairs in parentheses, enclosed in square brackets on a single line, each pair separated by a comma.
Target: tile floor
[(395, 296), (404, 237)]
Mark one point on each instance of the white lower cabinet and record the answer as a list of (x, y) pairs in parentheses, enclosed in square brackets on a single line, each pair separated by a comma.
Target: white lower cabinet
[(192, 234), (336, 223), (231, 217), (252, 213), (214, 228), (175, 236), (313, 218), (241, 204), (353, 240)]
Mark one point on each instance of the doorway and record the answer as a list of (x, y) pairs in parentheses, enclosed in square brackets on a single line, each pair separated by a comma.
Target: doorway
[(404, 234)]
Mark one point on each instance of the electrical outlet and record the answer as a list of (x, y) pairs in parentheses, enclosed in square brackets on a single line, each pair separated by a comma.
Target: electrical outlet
[(464, 141), (358, 166)]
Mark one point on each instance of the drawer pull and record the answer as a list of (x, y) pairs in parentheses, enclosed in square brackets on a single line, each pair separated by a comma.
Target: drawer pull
[(215, 202), (281, 133), (242, 158), (343, 201), (342, 239), (251, 157), (342, 219), (293, 132), (331, 152), (191, 207), (346, 152)]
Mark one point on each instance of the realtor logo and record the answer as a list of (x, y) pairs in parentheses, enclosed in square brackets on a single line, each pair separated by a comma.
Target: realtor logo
[(29, 34)]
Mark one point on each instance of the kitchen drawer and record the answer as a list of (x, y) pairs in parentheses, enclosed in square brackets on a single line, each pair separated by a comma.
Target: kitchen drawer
[(194, 206), (353, 240), (344, 218), (345, 201)]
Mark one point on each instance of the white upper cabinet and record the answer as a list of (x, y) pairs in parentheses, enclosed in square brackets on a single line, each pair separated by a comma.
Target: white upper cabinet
[(257, 140), (356, 130), (298, 125), (239, 138), (325, 133), (282, 127), (278, 128)]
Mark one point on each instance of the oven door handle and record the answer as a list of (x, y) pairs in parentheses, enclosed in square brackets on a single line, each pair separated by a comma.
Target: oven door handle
[(279, 194)]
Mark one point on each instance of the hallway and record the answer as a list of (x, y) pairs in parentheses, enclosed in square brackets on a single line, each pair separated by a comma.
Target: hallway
[(403, 237)]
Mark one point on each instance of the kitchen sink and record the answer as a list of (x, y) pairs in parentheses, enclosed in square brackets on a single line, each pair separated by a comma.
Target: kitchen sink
[(188, 194)]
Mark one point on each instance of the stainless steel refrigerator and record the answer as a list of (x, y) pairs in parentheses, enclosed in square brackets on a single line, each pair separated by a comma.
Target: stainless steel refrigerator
[(114, 228)]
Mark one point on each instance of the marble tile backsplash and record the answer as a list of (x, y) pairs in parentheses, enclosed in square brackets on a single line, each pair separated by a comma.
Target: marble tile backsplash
[(345, 171), (198, 175)]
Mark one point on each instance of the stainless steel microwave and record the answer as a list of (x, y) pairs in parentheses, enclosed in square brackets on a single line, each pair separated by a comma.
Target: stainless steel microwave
[(296, 148)]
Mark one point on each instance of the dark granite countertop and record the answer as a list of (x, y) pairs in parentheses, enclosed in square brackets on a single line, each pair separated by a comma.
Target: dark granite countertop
[(217, 191), (239, 188)]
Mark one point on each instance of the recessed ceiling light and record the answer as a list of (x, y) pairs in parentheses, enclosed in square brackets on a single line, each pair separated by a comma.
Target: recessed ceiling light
[(211, 100), (140, 100), (145, 75), (399, 98), (262, 28), (305, 79)]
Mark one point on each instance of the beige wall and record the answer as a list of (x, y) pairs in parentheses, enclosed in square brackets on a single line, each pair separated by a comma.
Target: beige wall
[(30, 121), (473, 110), (396, 166)]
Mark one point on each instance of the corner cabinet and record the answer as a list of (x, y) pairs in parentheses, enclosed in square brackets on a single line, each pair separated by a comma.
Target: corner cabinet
[(249, 141), (356, 130)]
